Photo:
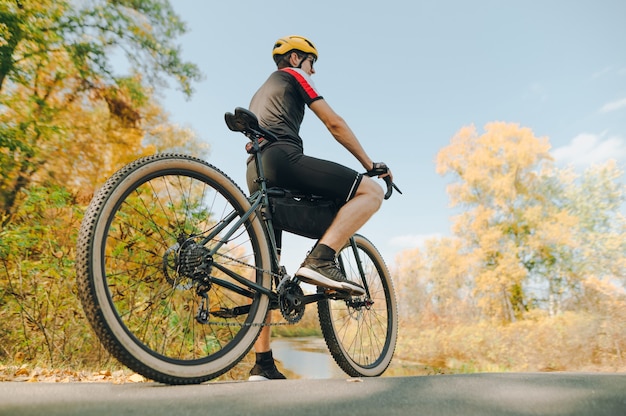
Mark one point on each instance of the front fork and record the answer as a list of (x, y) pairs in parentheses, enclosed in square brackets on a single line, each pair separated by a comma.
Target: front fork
[(357, 259)]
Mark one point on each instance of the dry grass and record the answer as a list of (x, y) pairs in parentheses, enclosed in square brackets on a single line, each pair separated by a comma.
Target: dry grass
[(572, 341)]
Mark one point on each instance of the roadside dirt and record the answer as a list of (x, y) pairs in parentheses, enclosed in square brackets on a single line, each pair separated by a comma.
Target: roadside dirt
[(37, 374)]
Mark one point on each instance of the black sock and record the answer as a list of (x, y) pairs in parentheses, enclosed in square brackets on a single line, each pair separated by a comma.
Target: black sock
[(322, 252), (264, 358)]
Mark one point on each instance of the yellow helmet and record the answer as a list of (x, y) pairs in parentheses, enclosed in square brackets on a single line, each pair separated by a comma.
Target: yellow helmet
[(290, 43)]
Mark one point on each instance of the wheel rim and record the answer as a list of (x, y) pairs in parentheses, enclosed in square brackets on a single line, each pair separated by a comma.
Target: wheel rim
[(363, 327), (155, 305)]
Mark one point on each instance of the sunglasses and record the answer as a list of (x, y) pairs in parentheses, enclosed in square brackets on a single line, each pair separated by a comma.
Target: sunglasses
[(311, 59)]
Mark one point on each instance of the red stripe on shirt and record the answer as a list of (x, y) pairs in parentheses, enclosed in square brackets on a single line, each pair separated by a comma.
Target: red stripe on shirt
[(310, 91)]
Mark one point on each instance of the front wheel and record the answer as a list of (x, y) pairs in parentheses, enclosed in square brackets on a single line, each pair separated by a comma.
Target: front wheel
[(361, 332)]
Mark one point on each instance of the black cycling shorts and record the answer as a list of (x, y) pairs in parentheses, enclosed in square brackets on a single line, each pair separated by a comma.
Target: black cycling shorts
[(285, 166)]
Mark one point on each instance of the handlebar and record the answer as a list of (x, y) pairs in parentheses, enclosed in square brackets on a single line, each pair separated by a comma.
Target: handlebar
[(381, 169)]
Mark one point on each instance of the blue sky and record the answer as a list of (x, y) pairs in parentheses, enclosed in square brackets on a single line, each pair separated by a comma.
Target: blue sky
[(406, 76)]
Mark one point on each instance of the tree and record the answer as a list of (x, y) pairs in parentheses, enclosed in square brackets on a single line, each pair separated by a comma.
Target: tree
[(410, 285), (596, 198), (88, 32), (66, 123), (54, 54), (513, 223), (534, 275), (434, 283)]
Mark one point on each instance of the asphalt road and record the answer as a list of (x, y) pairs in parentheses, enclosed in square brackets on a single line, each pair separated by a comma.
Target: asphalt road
[(585, 394)]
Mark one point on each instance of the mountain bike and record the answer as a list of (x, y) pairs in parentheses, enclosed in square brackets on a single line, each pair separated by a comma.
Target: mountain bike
[(177, 270)]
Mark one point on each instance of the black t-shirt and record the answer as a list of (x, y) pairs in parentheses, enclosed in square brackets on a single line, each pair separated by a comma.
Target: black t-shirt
[(279, 103)]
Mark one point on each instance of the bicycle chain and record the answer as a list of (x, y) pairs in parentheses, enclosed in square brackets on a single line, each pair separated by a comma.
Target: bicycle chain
[(245, 323), (250, 266), (248, 324)]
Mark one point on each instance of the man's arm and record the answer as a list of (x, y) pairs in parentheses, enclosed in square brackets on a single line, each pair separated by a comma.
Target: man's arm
[(341, 131)]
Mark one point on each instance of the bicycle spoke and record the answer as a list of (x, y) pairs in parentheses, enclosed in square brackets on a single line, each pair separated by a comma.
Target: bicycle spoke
[(161, 225), (361, 332)]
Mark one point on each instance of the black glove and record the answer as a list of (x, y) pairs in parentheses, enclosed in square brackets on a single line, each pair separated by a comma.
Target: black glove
[(379, 168)]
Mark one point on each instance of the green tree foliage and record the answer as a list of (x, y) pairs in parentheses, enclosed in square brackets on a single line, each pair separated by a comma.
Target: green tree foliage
[(88, 32), (595, 198), (67, 122), (41, 318), (55, 54)]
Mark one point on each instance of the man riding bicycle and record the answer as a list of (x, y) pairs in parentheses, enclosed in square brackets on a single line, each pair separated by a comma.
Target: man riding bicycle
[(279, 105)]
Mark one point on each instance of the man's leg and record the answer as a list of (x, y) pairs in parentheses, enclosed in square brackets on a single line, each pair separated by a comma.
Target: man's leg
[(320, 268), (262, 343), (354, 214), (264, 366)]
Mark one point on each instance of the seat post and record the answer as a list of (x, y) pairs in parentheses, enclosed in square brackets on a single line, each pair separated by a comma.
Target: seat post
[(260, 172), (266, 212)]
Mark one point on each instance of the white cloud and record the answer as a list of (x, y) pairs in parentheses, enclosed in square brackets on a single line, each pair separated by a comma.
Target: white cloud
[(613, 106), (537, 91), (587, 149), (411, 240), (602, 72)]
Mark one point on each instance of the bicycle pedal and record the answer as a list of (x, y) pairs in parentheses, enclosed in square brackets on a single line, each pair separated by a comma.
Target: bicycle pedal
[(337, 294)]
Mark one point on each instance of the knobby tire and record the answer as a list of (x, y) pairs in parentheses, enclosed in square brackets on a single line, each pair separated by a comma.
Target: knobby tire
[(141, 308), (362, 339)]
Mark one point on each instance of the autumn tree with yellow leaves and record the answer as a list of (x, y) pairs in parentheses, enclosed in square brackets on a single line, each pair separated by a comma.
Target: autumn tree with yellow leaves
[(534, 248), (68, 120)]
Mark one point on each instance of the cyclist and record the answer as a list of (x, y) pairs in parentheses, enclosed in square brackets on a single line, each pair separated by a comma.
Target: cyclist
[(279, 104)]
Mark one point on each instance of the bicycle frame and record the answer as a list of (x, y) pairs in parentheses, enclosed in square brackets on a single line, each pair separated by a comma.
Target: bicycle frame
[(180, 298)]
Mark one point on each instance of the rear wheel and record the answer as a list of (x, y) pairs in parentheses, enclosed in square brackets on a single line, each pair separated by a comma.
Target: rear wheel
[(361, 332), (158, 295)]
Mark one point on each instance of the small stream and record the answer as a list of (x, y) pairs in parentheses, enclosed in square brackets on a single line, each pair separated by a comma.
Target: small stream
[(306, 357)]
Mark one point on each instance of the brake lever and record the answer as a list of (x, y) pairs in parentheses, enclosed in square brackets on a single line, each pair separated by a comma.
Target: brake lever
[(390, 185)]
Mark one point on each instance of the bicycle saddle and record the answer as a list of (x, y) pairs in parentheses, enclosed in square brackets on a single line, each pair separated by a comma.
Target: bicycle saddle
[(247, 123)]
